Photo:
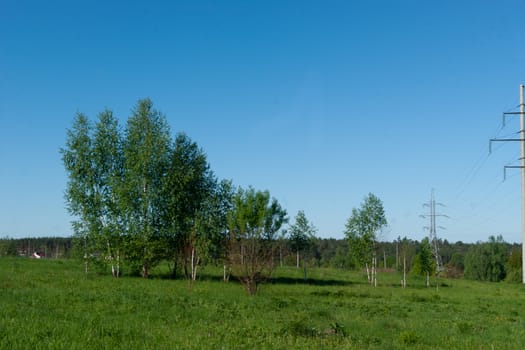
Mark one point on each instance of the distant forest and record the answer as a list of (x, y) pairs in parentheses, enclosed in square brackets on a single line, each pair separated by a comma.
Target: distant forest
[(322, 252), (44, 247)]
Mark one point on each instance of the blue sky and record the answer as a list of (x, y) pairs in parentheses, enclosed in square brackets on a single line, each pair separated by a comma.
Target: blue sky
[(319, 102)]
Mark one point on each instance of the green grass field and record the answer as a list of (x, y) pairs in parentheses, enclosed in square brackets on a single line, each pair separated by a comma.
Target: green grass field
[(49, 304)]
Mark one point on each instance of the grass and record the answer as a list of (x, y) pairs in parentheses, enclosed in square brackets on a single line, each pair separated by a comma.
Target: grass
[(49, 304)]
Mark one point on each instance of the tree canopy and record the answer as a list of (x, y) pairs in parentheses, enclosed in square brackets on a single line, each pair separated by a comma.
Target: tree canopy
[(138, 196), (363, 227), (301, 233), (486, 261), (253, 222)]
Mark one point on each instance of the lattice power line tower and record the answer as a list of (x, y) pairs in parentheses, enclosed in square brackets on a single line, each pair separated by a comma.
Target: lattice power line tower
[(432, 215), (521, 139)]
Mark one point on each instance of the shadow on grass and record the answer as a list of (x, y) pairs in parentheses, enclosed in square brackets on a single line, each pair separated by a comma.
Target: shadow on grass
[(272, 280), (311, 281)]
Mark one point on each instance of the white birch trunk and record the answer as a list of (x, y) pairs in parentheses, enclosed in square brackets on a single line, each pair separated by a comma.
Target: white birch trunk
[(196, 266), (227, 271), (110, 257), (368, 273), (192, 263), (85, 264)]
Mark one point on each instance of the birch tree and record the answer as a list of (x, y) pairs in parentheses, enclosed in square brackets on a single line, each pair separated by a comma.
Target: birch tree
[(302, 232), (146, 150), (107, 172), (80, 189), (189, 188), (362, 229)]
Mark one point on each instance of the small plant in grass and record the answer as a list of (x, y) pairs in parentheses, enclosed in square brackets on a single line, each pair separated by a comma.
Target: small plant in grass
[(299, 328), (408, 338)]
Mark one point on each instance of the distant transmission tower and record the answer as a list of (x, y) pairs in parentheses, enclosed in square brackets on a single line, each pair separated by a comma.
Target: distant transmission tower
[(432, 228), (521, 140)]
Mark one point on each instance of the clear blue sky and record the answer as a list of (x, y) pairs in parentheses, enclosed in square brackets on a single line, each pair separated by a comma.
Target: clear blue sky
[(319, 102)]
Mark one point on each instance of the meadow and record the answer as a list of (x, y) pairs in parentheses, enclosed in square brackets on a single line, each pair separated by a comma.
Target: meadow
[(50, 304)]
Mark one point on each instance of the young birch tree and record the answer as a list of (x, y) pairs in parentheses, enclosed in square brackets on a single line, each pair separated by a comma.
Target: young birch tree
[(80, 191), (93, 160), (362, 229), (107, 171), (302, 232)]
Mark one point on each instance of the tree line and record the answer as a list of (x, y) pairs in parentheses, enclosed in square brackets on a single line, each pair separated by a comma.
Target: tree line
[(492, 260), (140, 197), (44, 247)]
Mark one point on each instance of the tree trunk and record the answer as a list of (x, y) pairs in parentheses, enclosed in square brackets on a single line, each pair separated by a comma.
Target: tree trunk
[(86, 265), (110, 257), (368, 273), (194, 264), (428, 279), (145, 270), (297, 258)]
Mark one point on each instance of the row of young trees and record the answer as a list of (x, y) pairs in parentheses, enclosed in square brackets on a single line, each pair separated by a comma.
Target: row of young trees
[(493, 260), (139, 197)]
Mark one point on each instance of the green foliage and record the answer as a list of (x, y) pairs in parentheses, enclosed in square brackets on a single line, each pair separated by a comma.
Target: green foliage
[(458, 261), (363, 227), (146, 149), (8, 247), (486, 261), (139, 198), (190, 205), (408, 338), (301, 233), (253, 222), (340, 259), (514, 265), (424, 261)]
